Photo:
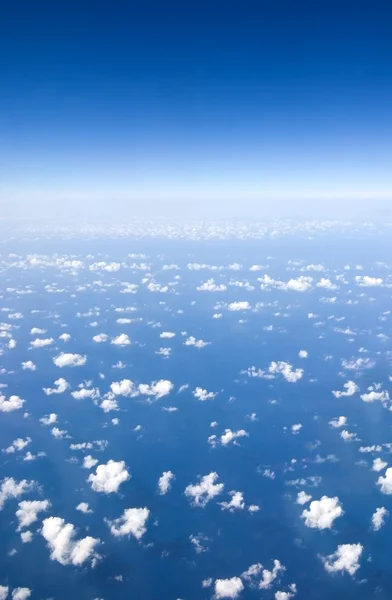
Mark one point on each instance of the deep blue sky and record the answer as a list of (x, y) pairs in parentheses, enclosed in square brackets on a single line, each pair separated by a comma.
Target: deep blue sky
[(169, 102)]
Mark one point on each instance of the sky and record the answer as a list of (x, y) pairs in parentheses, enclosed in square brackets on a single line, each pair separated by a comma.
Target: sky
[(177, 109)]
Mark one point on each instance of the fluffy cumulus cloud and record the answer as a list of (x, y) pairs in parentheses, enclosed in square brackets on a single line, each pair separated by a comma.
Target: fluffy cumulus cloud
[(379, 465), (41, 342), (164, 482), (132, 522), (322, 513), (350, 388), (269, 576), (378, 518), (28, 366), (385, 482), (366, 281), (4, 589), (18, 445), (121, 340), (61, 386), (49, 419), (28, 510), (228, 588), (10, 488), (231, 436), (64, 548), (167, 335), (89, 462), (236, 502), (303, 498), (204, 491), (100, 338), (286, 370), (125, 387), (192, 341), (211, 286), (108, 477), (346, 558), (84, 508), (21, 593), (201, 394), (338, 422), (13, 403), (238, 306), (66, 359), (158, 389)]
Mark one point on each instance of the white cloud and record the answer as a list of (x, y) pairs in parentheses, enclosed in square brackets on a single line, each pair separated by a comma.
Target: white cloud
[(89, 462), (203, 395), (28, 510), (338, 422), (13, 489), (237, 306), (346, 558), (228, 588), (100, 338), (296, 428), (253, 508), (37, 331), (164, 482), (29, 366), (62, 386), (42, 342), (59, 434), (64, 337), (326, 284), (378, 518), (375, 395), (84, 508), (286, 370), (303, 498), (303, 354), (132, 522), (366, 281), (121, 340), (379, 465), (26, 537), (17, 445), (109, 404), (192, 341), (159, 389), (84, 393), (64, 548), (123, 388), (236, 502), (167, 334), (14, 403), (386, 482), (49, 419), (66, 359), (21, 593), (108, 477), (268, 577), (211, 286), (202, 492), (322, 513), (4, 589), (229, 436), (348, 437), (350, 388)]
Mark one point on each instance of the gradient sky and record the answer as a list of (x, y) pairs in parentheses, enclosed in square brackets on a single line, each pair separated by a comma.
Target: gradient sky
[(181, 108)]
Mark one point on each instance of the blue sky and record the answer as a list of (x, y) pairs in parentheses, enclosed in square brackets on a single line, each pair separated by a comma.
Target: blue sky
[(166, 106)]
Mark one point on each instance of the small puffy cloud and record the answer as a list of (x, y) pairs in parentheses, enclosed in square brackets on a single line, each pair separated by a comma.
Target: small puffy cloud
[(41, 342), (66, 359), (167, 334), (159, 389), (18, 445), (37, 331), (28, 510), (123, 388), (253, 508), (338, 422), (236, 502), (303, 498), (84, 508), (286, 370), (347, 436), (211, 286), (192, 341), (228, 588), (28, 366), (374, 394), (164, 482), (100, 338), (238, 306), (295, 429), (350, 388), (229, 436), (84, 393), (49, 419), (65, 549), (303, 354), (26, 537), (108, 405), (59, 434), (64, 337), (89, 462), (61, 386), (108, 477), (204, 491), (14, 403), (322, 513), (268, 577), (21, 593), (346, 558), (203, 395), (132, 522), (14, 489), (378, 518), (4, 589), (385, 482), (379, 465), (121, 340), (366, 281)]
